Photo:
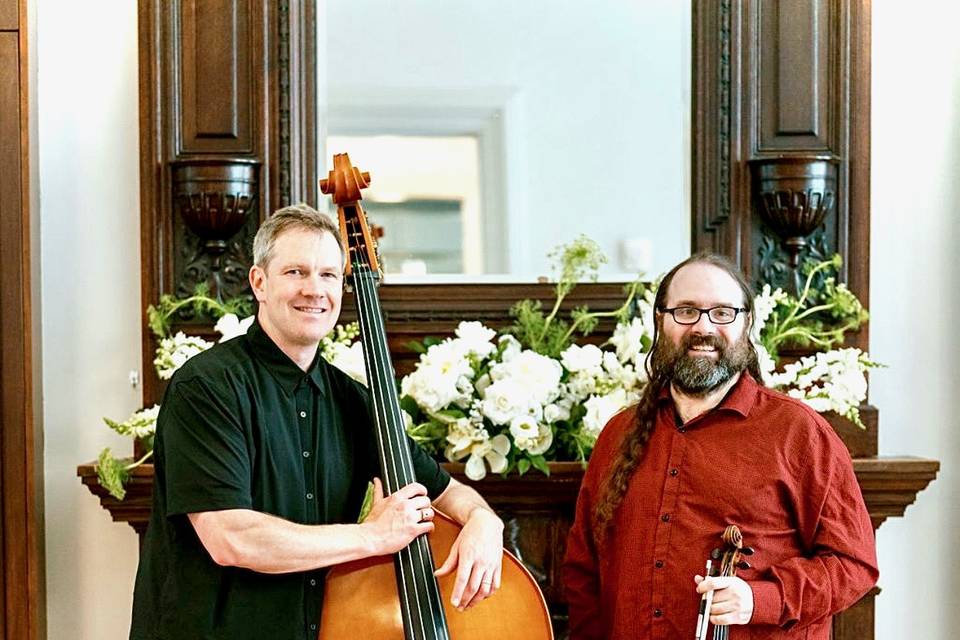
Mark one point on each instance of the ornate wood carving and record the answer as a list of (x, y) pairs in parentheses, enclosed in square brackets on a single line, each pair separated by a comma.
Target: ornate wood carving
[(215, 200)]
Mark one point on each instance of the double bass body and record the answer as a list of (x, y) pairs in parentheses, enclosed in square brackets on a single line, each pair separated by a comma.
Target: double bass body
[(361, 600)]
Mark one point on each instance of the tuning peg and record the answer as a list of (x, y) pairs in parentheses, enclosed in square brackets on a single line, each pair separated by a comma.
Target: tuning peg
[(743, 564), (715, 554), (747, 551)]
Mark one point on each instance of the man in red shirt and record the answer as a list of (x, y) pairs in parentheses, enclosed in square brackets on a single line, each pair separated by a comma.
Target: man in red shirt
[(707, 447)]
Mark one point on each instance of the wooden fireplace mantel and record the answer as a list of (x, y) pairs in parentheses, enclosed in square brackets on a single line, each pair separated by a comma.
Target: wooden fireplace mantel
[(889, 483)]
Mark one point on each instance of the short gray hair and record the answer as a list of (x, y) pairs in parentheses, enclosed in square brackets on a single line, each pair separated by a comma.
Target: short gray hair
[(297, 216)]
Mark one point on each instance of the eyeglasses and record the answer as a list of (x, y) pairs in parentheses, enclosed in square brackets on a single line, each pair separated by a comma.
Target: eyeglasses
[(691, 315)]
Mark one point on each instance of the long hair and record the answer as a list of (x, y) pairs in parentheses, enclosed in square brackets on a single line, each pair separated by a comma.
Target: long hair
[(614, 486)]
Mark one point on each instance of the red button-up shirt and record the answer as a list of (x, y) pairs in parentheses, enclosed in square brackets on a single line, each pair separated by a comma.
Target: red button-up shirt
[(760, 460)]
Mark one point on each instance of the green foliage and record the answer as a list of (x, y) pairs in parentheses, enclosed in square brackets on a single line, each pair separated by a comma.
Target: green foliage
[(820, 316), (199, 304), (112, 474), (548, 334)]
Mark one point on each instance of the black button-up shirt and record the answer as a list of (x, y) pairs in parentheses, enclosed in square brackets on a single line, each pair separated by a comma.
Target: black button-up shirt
[(242, 427)]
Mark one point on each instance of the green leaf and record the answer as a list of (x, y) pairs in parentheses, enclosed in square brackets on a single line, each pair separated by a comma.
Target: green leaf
[(430, 341), (541, 464), (112, 474), (367, 503), (523, 465), (410, 405), (416, 347)]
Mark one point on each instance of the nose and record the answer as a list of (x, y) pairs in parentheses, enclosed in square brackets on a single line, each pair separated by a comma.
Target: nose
[(703, 325), (311, 287)]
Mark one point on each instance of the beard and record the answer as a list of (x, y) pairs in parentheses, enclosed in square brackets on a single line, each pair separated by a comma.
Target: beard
[(698, 375)]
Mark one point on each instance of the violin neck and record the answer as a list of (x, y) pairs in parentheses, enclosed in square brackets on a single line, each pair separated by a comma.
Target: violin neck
[(421, 604)]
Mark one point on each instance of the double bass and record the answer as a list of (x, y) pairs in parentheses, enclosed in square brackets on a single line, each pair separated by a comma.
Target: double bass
[(398, 597)]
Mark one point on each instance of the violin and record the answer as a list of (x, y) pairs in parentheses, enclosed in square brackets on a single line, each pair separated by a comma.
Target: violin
[(730, 557), (398, 598)]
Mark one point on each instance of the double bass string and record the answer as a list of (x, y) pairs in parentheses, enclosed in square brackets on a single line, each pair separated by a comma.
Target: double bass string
[(397, 472)]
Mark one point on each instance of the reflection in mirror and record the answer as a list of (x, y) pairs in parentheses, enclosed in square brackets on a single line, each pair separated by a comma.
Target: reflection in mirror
[(515, 126)]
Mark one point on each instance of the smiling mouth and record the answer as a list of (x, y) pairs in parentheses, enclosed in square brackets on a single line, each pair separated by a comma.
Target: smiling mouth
[(311, 310)]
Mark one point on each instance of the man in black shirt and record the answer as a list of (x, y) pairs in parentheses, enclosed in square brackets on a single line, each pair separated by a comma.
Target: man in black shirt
[(263, 455)]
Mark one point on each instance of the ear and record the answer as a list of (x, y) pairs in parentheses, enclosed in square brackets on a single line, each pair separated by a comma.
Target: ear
[(257, 277)]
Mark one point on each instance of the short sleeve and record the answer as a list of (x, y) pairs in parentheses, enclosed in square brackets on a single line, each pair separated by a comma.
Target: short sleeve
[(428, 471), (205, 456)]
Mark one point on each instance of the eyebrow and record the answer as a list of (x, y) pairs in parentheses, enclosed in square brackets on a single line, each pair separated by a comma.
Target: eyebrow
[(693, 303)]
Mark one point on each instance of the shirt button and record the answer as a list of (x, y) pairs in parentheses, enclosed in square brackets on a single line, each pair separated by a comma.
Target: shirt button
[(313, 582), (657, 613), (303, 414), (658, 564), (313, 627), (673, 472), (665, 517), (309, 496), (306, 454), (682, 429)]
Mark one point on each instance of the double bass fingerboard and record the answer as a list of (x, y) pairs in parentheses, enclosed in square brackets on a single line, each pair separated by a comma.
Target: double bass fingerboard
[(420, 600)]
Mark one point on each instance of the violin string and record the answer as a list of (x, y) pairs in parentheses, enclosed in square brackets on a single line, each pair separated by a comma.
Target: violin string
[(418, 553)]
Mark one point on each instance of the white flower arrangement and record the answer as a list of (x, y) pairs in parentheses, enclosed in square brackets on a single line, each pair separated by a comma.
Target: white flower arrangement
[(488, 400), (496, 406), (485, 400)]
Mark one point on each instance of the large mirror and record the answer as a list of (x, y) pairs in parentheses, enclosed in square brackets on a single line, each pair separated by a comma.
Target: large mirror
[(495, 130)]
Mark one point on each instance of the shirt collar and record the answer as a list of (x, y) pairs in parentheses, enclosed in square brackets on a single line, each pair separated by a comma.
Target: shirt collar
[(279, 364), (740, 399)]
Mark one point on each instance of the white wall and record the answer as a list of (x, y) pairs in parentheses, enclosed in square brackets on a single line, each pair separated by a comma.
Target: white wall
[(90, 279), (915, 304), (595, 106)]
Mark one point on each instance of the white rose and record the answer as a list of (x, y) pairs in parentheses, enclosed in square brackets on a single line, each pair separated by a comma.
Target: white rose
[(476, 338), (554, 413), (585, 358), (504, 400)]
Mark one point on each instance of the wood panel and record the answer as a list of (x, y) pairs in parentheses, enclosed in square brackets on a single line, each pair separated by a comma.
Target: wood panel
[(796, 77), (21, 466), (9, 15), (216, 88)]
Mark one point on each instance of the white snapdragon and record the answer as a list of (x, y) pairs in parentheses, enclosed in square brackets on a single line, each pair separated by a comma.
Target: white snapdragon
[(763, 305), (230, 326), (827, 381), (627, 339), (173, 352), (140, 424)]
